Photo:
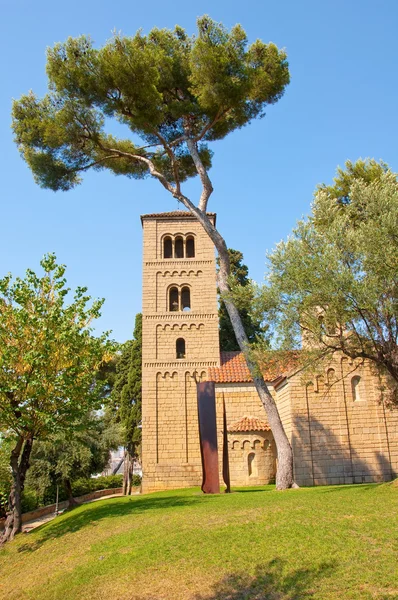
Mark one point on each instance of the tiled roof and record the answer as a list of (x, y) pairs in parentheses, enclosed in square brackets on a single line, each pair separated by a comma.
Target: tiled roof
[(233, 367), (181, 214), (249, 424)]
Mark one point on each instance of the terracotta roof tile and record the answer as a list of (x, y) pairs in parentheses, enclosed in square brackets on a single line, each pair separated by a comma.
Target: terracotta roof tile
[(233, 367), (249, 424)]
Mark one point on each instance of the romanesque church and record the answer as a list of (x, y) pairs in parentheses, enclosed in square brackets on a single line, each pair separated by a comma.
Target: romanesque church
[(339, 430)]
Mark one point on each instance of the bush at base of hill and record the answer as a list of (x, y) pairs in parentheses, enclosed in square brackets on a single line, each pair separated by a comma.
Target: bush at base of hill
[(31, 499)]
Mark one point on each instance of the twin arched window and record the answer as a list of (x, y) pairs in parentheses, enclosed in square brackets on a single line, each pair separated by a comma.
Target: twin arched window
[(179, 247), (179, 299)]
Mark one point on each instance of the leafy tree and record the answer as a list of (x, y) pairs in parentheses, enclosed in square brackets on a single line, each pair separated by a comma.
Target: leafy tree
[(174, 94), (47, 361), (335, 279), (66, 456), (253, 328), (126, 400)]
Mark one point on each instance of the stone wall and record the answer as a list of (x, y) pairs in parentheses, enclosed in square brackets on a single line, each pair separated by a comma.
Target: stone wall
[(252, 458), (241, 399), (170, 444), (342, 433)]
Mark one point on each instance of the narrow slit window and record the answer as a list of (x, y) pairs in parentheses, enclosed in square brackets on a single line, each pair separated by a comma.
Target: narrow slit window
[(250, 461), (185, 299), (180, 348), (355, 381), (190, 247), (167, 247), (331, 376), (179, 248), (173, 299)]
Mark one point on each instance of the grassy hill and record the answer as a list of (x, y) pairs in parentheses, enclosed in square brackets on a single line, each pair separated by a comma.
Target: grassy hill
[(326, 542)]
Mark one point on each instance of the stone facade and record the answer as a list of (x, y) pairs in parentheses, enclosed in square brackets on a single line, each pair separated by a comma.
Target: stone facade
[(339, 430), (170, 438)]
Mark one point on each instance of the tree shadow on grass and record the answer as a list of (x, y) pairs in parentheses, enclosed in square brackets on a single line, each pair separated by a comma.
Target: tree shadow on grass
[(83, 516), (272, 581), (344, 487), (251, 490)]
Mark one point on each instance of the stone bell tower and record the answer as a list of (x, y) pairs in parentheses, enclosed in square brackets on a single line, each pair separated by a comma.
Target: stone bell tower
[(179, 343)]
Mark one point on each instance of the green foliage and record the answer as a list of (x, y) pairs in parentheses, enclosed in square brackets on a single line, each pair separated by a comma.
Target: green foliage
[(362, 170), (84, 486), (48, 355), (32, 499), (126, 395), (165, 87), (242, 292), (334, 279), (67, 455)]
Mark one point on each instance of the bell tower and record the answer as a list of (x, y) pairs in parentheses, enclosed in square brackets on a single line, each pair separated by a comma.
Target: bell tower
[(179, 343)]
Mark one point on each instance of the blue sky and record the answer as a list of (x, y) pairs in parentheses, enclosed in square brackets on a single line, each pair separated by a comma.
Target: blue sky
[(341, 104)]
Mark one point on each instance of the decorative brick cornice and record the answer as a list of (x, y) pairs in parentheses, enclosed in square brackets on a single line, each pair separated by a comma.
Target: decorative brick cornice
[(164, 262), (171, 273), (182, 316), (180, 364)]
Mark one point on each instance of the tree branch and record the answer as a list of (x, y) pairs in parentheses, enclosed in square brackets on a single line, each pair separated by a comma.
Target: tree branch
[(152, 169)]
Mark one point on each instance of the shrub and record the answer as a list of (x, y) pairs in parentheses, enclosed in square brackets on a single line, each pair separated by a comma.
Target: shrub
[(85, 486), (30, 500)]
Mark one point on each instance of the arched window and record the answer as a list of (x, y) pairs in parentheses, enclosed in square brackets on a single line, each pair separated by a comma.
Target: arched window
[(250, 461), (180, 348), (185, 299), (190, 247), (167, 247), (355, 381), (331, 376), (173, 299), (179, 247)]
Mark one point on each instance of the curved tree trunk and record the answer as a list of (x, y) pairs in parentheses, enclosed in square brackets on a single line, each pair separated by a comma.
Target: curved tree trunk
[(284, 476), (19, 465)]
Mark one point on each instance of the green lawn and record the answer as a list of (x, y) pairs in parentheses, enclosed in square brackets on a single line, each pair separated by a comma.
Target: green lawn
[(326, 542)]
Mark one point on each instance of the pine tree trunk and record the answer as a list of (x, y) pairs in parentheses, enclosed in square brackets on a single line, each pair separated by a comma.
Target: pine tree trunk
[(13, 524), (284, 476), (71, 501)]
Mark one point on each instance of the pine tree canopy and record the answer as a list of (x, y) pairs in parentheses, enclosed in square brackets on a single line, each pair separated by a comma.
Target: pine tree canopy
[(167, 89)]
